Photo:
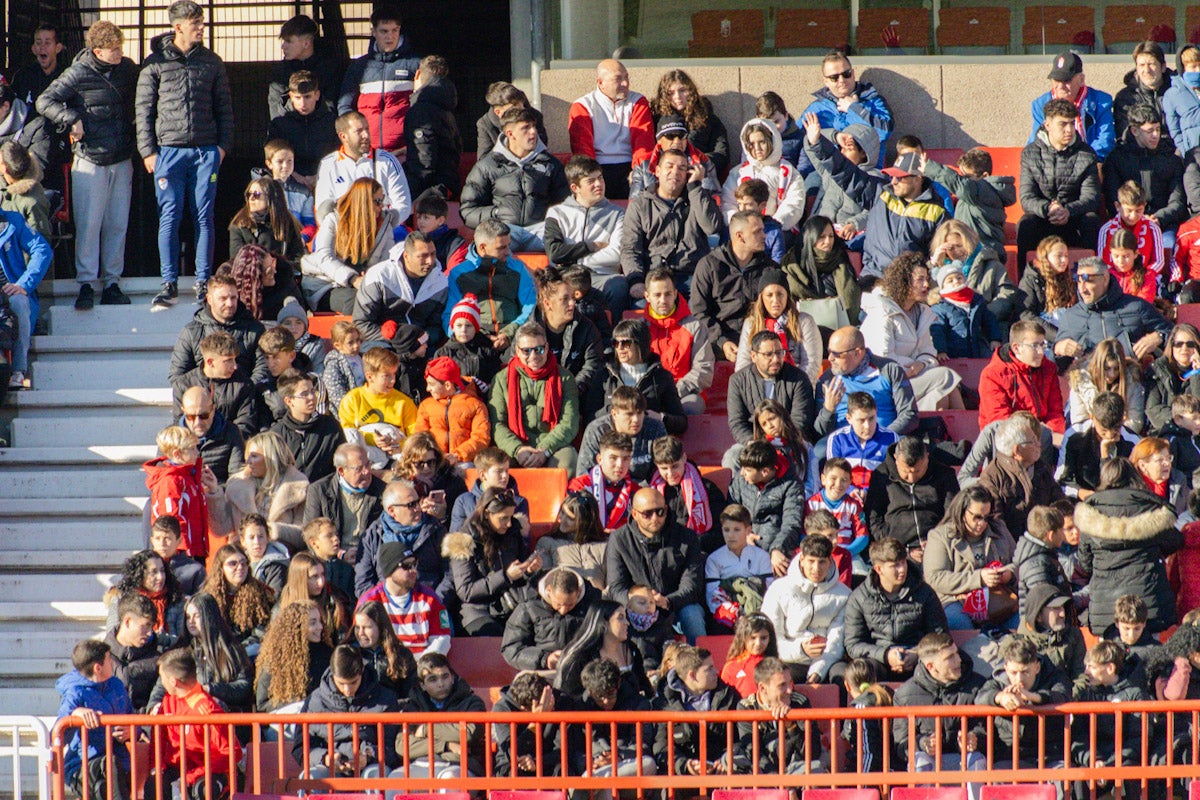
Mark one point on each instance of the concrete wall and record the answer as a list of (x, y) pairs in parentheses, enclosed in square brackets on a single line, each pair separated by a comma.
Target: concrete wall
[(947, 102)]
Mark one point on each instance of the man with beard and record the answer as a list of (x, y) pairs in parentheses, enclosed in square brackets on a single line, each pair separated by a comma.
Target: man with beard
[(854, 368), (1049, 623)]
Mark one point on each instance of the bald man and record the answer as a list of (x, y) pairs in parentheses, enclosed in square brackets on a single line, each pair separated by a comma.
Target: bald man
[(221, 443), (612, 125), (654, 550), (854, 368)]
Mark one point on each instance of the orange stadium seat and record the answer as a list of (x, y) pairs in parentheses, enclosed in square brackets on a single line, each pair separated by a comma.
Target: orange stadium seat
[(543, 487), (911, 25), (928, 793), (534, 262), (320, 324), (750, 794), (707, 438), (720, 476), (1057, 26), (1188, 312), (727, 33), (716, 394), (1018, 791), (719, 647), (823, 28), (977, 26), (1139, 23)]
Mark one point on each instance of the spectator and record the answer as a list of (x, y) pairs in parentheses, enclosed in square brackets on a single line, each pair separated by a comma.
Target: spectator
[(1105, 680), (605, 689), (306, 121), (692, 500), (430, 212), (1129, 631), (818, 266), (898, 325), (1154, 462), (671, 133), (965, 327), (753, 642), (762, 148), (21, 188), (1104, 306), (135, 647), (774, 499), (271, 485), (1100, 438), (1047, 286), (222, 311), (772, 424), (490, 564), (1127, 531), (800, 750), (1019, 377), (807, 607), (146, 573), (184, 131), (694, 684), (350, 497), (908, 496), (679, 339), (438, 482), (182, 487), (736, 574), (440, 689), (20, 123), (431, 137), (1017, 478), (418, 617), (854, 368), (789, 386), (1145, 85), (220, 440), (942, 677), (93, 99), (609, 481), (957, 246), (844, 505), (366, 88), (25, 259), (393, 663), (1029, 679), (501, 97), (661, 554), (357, 159), (541, 627), (224, 384), (89, 691), (850, 181), (571, 336), (294, 656), (862, 441), (1126, 237), (401, 299), (774, 309), (463, 429), (535, 410), (268, 559), (323, 544), (166, 541), (1060, 185), (578, 541), (1170, 375), (354, 238), (1147, 157), (529, 693), (635, 365), (679, 96), (902, 219), (1107, 370), (244, 601), (280, 159), (753, 195), (31, 81), (1181, 102), (1047, 623), (612, 125), (266, 222), (503, 290), (1181, 432), (982, 200), (492, 471), (404, 521), (1093, 107), (312, 437), (845, 101), (303, 51), (279, 347), (585, 229), (516, 183), (224, 668), (770, 106)]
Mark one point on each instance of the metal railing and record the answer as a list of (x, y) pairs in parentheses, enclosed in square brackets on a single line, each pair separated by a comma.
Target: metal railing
[(25, 746)]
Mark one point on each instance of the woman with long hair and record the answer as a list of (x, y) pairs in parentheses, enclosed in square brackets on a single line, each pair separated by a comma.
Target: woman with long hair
[(772, 423), (956, 244), (270, 485), (145, 572), (355, 237), (898, 326), (490, 564), (578, 540), (262, 288), (266, 222), (773, 309), (306, 581), (635, 364), (393, 662), (438, 483), (1107, 369), (244, 601), (1172, 374), (818, 266), (753, 640), (678, 95), (1047, 287), (293, 658), (604, 633), (222, 666)]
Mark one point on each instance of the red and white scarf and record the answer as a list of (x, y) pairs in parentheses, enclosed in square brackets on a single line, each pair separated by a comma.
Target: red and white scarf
[(616, 516), (779, 328), (695, 497)]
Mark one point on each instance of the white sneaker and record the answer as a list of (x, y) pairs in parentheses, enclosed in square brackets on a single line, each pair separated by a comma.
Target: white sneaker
[(17, 381)]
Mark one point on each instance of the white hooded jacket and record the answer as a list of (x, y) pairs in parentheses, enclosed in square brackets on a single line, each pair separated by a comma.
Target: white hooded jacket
[(800, 610), (786, 201)]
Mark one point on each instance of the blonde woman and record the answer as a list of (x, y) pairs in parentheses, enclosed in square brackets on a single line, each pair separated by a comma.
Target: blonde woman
[(270, 485), (957, 244)]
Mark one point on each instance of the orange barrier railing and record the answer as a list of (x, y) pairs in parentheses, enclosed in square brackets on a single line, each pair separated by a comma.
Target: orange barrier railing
[(272, 743)]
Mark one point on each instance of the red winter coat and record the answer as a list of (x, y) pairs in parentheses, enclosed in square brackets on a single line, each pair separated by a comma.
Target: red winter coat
[(218, 746), (176, 490), (1007, 385), (1183, 570)]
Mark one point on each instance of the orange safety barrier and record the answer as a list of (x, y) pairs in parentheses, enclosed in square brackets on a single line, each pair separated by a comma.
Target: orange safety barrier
[(279, 749), (321, 324), (928, 793)]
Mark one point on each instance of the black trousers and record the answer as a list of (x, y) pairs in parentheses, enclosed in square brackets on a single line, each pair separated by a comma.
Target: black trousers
[(1081, 231), (96, 774), (616, 180), (195, 790)]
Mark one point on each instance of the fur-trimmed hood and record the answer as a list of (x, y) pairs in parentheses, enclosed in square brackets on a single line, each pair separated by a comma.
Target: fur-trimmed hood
[(1130, 515), (26, 185), (459, 546)]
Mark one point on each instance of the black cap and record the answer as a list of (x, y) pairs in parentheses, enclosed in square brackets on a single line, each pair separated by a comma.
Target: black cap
[(1065, 67), (390, 556), (670, 124)]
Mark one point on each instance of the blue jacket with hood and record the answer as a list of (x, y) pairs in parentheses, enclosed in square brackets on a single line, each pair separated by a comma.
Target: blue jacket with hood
[(107, 697), (870, 109), (18, 240)]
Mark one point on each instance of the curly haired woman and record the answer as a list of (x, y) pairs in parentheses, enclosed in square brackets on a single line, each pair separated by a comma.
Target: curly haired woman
[(293, 658), (244, 601)]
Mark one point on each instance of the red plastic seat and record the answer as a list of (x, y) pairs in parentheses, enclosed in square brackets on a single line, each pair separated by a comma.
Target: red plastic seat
[(973, 26), (707, 438), (526, 794), (322, 324), (1188, 312), (929, 793), (947, 156), (419, 796), (969, 368), (727, 33), (720, 476), (1058, 25), (1018, 791), (719, 647), (960, 424), (477, 660), (910, 23), (1139, 23), (749, 794), (825, 28), (716, 394), (840, 794)]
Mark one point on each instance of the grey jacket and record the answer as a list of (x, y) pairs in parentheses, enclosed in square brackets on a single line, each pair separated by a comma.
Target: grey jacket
[(668, 233)]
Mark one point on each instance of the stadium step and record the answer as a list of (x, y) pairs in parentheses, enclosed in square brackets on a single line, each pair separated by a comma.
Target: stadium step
[(98, 374), (95, 537), (63, 292), (29, 698), (73, 508), (89, 430), (55, 588), (117, 320), (72, 347)]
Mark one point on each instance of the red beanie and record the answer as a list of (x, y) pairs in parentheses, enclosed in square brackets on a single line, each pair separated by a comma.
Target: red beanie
[(444, 369)]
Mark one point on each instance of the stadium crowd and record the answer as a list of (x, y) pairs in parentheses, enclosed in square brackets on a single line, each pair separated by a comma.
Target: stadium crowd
[(327, 515)]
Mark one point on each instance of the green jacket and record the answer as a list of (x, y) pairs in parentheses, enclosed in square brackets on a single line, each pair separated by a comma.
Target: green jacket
[(28, 198), (532, 393)]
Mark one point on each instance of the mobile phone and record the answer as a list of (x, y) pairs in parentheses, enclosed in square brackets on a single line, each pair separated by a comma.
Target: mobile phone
[(438, 496)]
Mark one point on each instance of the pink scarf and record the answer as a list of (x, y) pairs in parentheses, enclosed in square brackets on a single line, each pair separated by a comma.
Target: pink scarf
[(619, 513), (695, 497)]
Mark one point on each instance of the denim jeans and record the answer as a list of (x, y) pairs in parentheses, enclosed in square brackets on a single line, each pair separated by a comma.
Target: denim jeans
[(24, 314), (689, 620), (186, 177), (527, 239)]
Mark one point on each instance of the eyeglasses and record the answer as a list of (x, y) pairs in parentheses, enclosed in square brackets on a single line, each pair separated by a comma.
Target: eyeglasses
[(504, 499), (309, 395), (411, 506), (770, 353), (408, 564), (845, 76), (426, 463), (843, 353), (1185, 344), (1084, 277), (649, 513), (255, 194), (194, 417), (539, 350), (623, 342)]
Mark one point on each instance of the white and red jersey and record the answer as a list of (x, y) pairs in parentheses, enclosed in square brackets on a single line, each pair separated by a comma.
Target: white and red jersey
[(611, 133), (419, 619), (1150, 244)]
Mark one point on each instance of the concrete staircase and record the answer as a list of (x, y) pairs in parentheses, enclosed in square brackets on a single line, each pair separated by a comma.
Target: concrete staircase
[(71, 483)]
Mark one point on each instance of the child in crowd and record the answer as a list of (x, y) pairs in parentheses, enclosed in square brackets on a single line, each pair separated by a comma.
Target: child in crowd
[(279, 347), (648, 629), (863, 442), (590, 303), (281, 161), (323, 543), (775, 502), (752, 195), (602, 681), (21, 187), (474, 354), (310, 349), (753, 640), (491, 472), (1183, 432), (982, 197), (343, 365), (736, 574), (165, 540), (838, 498), (180, 485), (440, 689), (1106, 680), (695, 501), (794, 456), (1128, 266), (453, 414), (965, 327), (822, 522), (88, 692), (863, 690), (1036, 554), (1147, 235), (609, 482), (377, 415), (770, 106), (762, 159), (1130, 615), (431, 211), (1068, 553), (212, 754)]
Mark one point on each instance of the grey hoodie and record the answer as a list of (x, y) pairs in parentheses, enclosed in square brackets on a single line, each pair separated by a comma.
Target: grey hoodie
[(847, 190)]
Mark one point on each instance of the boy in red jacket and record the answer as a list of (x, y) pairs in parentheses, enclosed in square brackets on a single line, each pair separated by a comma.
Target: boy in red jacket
[(190, 745), (180, 485), (1020, 378)]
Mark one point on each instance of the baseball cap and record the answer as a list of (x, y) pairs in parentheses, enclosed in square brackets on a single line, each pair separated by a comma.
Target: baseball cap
[(1058, 601), (905, 164), (670, 124), (1066, 66)]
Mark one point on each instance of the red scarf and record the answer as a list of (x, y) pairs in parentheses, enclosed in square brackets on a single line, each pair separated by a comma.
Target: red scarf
[(779, 328), (552, 402), (695, 497), (1159, 489), (670, 341), (1080, 128), (619, 513), (160, 608)]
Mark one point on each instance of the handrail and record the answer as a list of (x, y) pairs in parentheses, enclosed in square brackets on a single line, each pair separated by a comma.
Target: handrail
[(18, 752)]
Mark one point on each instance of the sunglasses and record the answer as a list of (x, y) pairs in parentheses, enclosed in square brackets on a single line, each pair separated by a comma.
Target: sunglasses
[(649, 513), (841, 75), (504, 499), (413, 506), (539, 350), (408, 564), (426, 463), (255, 194), (195, 417), (623, 342), (1187, 345)]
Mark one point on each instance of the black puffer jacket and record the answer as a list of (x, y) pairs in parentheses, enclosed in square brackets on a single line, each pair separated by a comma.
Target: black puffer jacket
[(312, 443), (922, 690), (535, 630), (582, 355), (1052, 685), (101, 95), (723, 291), (1036, 564), (1163, 385), (312, 137), (183, 99), (876, 622), (222, 447), (27, 129), (1135, 93), (1159, 172), (431, 135), (1068, 176), (480, 583), (371, 698), (243, 327), (904, 511), (488, 130), (324, 64), (671, 562), (513, 190), (1125, 535), (658, 387)]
